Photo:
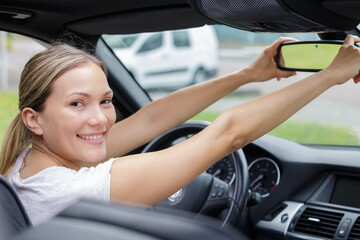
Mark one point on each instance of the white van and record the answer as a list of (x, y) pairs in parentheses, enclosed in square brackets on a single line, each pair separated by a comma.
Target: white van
[(169, 59)]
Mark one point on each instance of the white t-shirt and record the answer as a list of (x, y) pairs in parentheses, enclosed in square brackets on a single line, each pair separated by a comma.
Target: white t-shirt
[(53, 189)]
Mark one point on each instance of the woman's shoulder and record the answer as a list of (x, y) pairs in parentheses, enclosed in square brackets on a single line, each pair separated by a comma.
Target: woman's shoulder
[(103, 167), (66, 181), (61, 174)]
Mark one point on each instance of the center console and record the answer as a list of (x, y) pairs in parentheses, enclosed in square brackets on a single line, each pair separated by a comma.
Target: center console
[(332, 212)]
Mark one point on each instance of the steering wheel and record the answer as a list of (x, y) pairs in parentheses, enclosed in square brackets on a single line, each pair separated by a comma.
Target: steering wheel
[(206, 194)]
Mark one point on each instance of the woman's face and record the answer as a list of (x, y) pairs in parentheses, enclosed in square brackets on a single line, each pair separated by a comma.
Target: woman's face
[(78, 115)]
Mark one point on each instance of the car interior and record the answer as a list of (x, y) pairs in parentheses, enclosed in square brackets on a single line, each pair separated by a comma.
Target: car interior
[(282, 189)]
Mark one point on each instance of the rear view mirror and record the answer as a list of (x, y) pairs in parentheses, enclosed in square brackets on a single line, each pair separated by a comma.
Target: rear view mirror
[(307, 56)]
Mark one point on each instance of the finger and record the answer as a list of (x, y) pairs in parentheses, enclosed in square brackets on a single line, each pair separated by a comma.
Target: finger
[(290, 74), (357, 79), (351, 39), (283, 39), (274, 46), (281, 60), (284, 74)]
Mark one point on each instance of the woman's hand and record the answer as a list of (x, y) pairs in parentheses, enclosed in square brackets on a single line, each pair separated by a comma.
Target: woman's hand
[(346, 64), (264, 67)]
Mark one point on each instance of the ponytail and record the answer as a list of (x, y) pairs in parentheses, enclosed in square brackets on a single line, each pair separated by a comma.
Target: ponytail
[(17, 138)]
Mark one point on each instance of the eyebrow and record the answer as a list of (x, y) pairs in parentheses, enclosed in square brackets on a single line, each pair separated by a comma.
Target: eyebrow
[(88, 95)]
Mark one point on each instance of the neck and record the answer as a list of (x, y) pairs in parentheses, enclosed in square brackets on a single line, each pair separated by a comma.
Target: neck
[(45, 157)]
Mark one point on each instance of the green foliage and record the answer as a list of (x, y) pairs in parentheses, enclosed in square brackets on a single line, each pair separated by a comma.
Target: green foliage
[(315, 133), (305, 131), (8, 110)]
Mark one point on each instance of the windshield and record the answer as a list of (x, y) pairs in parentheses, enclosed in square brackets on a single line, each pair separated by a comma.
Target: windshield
[(120, 41), (180, 59)]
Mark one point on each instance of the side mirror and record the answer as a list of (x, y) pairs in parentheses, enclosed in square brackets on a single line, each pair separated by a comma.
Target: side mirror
[(307, 56)]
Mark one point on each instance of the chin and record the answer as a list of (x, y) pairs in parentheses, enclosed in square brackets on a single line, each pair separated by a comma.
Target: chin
[(94, 156), (97, 159)]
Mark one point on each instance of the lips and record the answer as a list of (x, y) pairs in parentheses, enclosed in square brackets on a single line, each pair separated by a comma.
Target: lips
[(92, 138)]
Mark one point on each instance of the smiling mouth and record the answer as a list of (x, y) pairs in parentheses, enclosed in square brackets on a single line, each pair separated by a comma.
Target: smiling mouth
[(94, 137)]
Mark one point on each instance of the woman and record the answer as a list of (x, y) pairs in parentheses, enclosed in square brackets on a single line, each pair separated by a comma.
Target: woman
[(66, 115)]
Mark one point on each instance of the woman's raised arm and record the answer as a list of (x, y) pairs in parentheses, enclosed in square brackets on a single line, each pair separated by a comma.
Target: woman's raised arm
[(150, 178), (174, 109)]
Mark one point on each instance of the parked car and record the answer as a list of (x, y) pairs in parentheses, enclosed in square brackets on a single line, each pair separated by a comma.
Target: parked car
[(169, 59), (299, 189)]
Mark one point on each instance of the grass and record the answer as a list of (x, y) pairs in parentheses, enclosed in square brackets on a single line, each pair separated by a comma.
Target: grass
[(305, 132), (315, 133), (8, 110)]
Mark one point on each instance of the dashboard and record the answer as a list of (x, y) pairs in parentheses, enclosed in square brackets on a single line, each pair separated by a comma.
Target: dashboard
[(264, 176), (316, 191), (224, 170), (264, 172), (307, 192)]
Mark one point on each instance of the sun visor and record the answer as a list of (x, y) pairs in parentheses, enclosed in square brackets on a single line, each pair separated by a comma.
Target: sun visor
[(145, 20), (272, 16)]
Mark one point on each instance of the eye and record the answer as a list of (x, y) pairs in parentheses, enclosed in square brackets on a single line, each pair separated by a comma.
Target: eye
[(106, 101), (77, 104)]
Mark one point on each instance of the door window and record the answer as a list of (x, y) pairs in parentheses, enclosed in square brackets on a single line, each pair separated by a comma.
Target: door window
[(181, 39), (153, 42)]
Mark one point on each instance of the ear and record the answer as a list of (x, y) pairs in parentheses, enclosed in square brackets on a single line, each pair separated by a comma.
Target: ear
[(31, 120)]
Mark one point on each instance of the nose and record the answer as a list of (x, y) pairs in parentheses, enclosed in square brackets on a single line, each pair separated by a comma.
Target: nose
[(97, 117)]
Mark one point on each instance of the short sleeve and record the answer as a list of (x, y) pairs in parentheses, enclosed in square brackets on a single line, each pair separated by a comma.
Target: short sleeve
[(95, 181), (50, 191)]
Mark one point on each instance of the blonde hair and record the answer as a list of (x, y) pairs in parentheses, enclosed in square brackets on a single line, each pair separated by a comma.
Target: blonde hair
[(36, 80)]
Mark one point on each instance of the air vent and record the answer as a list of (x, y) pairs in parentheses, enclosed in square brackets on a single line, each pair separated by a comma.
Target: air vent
[(355, 231), (318, 222)]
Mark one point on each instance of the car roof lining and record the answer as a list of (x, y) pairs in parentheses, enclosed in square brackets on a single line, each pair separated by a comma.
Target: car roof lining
[(315, 10), (48, 19), (145, 20)]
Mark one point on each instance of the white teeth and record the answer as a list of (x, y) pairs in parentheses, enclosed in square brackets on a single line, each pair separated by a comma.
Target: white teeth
[(93, 137)]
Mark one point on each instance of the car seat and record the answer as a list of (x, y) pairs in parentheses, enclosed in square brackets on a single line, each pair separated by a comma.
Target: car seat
[(13, 218), (94, 220)]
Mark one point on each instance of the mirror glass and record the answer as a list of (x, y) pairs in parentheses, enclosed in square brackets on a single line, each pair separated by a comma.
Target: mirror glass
[(307, 56)]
